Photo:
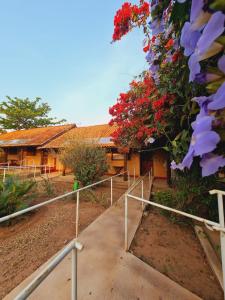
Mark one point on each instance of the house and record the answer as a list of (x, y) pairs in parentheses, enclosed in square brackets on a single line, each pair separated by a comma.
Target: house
[(41, 146), (21, 147), (138, 162)]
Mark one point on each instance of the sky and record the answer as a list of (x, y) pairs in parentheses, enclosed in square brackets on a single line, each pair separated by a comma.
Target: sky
[(60, 50)]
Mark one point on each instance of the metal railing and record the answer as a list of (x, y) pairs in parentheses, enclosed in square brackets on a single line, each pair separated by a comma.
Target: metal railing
[(73, 246), (31, 287), (32, 169), (77, 192), (213, 225)]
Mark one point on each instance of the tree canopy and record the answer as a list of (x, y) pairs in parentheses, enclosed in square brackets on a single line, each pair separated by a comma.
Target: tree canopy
[(17, 113)]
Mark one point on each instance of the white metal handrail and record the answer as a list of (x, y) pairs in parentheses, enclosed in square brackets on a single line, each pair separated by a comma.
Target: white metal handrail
[(21, 212), (214, 225), (47, 168), (73, 246)]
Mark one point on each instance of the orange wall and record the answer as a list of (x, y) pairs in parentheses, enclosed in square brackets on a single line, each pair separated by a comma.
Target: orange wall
[(133, 164), (160, 164)]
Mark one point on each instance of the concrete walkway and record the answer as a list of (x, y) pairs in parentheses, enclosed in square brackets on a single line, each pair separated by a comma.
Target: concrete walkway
[(105, 270)]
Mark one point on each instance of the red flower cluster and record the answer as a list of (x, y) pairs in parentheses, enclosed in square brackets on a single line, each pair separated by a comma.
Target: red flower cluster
[(131, 112), (128, 16), (169, 44), (140, 113)]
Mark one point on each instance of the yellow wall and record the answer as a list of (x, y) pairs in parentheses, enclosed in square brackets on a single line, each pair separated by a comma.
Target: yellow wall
[(114, 166), (33, 159), (160, 164), (133, 164)]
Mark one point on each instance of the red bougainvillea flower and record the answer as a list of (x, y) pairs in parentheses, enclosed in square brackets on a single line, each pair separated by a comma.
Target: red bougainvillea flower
[(146, 48), (129, 16), (175, 57), (169, 44)]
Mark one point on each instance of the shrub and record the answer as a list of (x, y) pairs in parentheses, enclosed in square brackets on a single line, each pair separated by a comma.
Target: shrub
[(12, 195), (191, 194), (86, 159)]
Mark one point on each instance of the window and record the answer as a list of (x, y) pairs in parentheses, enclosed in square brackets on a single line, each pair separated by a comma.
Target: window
[(31, 151), (117, 156), (12, 151)]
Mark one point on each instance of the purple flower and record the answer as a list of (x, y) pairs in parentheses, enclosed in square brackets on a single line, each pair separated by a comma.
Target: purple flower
[(221, 64), (175, 166), (156, 26), (196, 8), (153, 68), (203, 139), (203, 102), (210, 163), (194, 67), (213, 29), (189, 38), (204, 47), (208, 77), (218, 99)]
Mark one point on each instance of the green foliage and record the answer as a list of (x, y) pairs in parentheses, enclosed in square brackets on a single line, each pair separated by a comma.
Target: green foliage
[(48, 186), (191, 194), (86, 159), (94, 197), (25, 113), (12, 195)]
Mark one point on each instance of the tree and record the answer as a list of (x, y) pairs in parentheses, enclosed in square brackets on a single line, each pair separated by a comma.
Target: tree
[(86, 159), (25, 113)]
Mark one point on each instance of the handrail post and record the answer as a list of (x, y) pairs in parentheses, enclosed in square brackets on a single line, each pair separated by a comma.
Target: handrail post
[(3, 175), (134, 174), (142, 193), (222, 234), (77, 213), (111, 191), (35, 171), (74, 274), (128, 173), (126, 221)]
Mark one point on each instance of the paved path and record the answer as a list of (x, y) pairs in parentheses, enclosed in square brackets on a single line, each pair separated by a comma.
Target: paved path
[(105, 270)]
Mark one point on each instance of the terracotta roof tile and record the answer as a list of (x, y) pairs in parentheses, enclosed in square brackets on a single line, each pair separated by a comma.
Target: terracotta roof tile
[(32, 137), (102, 134)]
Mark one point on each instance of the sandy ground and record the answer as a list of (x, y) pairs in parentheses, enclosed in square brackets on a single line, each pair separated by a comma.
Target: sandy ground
[(33, 239), (175, 251)]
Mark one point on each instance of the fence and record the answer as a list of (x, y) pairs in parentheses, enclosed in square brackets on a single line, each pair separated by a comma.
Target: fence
[(214, 226), (25, 171)]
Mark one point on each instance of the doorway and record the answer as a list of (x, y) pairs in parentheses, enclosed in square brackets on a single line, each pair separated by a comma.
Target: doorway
[(146, 162)]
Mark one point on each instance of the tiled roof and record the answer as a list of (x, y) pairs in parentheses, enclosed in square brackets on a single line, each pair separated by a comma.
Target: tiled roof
[(100, 133), (32, 137)]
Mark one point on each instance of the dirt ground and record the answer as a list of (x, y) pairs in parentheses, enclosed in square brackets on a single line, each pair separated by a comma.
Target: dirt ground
[(34, 238), (175, 251)]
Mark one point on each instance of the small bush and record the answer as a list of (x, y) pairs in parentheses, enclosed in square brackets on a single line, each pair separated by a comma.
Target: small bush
[(191, 194), (86, 159), (12, 195), (48, 186)]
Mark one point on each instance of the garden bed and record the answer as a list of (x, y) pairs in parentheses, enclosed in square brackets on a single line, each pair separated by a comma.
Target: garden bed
[(173, 249), (34, 238)]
